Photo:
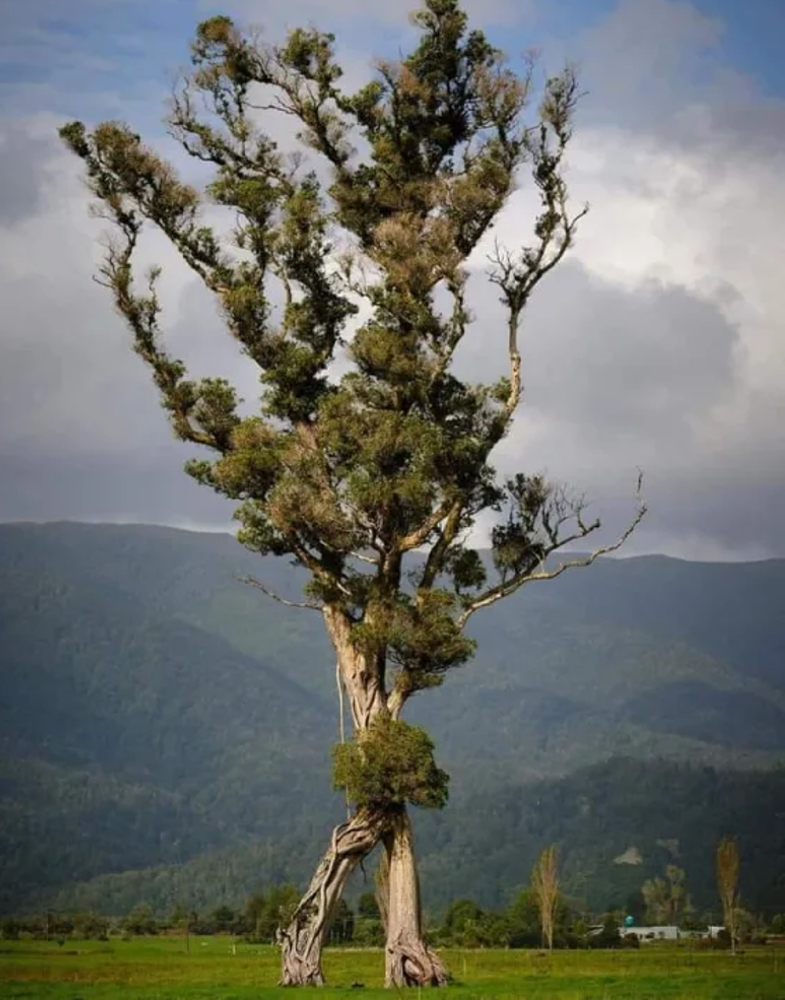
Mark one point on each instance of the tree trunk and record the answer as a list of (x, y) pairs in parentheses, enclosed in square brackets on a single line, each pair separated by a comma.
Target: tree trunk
[(409, 961), (302, 941)]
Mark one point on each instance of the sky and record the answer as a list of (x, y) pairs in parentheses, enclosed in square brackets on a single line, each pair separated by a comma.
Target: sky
[(658, 343)]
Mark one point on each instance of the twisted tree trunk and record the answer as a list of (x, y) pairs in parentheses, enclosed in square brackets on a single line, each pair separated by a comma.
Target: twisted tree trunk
[(302, 941), (408, 960)]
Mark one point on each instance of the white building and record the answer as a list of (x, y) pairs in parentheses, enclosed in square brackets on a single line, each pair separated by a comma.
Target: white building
[(662, 932)]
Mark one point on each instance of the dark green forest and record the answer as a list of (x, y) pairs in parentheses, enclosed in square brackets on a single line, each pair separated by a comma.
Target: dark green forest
[(165, 730)]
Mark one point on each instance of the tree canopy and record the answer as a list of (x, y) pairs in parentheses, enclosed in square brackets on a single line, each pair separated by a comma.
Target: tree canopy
[(349, 472)]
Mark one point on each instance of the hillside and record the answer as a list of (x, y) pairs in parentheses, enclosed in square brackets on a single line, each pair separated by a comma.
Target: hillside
[(484, 847), (152, 708)]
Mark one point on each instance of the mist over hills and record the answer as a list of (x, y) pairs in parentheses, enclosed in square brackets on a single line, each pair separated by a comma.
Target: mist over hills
[(165, 730)]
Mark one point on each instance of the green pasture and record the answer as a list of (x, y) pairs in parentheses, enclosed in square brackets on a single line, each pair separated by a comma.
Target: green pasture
[(160, 969)]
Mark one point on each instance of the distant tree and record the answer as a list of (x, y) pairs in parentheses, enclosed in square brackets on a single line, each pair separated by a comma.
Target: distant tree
[(367, 907), (342, 928), (463, 923), (368, 932), (635, 906), (371, 474), (141, 920), (609, 936), (181, 919), (265, 911), (91, 926), (746, 926), (728, 886), (224, 919), (666, 898), (545, 882), (523, 917), (10, 928)]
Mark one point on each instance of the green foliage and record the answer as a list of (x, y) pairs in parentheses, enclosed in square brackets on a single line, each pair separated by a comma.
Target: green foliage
[(667, 900), (367, 907), (266, 911), (390, 764), (141, 920), (394, 455)]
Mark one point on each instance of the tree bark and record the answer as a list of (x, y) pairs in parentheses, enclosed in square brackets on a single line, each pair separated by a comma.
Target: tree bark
[(408, 960), (302, 941)]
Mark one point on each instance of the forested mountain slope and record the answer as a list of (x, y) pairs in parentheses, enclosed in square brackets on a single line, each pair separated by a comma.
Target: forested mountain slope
[(484, 847), (153, 708)]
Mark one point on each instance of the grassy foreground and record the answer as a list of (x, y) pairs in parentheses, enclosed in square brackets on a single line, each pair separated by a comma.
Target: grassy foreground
[(159, 969)]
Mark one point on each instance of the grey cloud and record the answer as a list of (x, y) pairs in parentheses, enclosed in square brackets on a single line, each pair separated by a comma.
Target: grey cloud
[(645, 61), (655, 66), (22, 157), (610, 361), (147, 486)]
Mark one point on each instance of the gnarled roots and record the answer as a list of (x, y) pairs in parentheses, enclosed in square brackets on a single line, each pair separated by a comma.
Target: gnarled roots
[(409, 961)]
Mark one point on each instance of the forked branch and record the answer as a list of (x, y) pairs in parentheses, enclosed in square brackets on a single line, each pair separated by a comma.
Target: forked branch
[(507, 587)]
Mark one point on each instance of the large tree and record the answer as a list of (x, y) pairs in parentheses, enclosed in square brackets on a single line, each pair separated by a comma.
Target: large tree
[(370, 473)]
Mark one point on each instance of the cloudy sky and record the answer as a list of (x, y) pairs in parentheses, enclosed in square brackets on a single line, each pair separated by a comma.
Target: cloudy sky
[(659, 343)]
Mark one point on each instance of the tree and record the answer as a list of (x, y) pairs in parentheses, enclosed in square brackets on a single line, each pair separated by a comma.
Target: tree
[(545, 882), (666, 898), (264, 912), (224, 920), (728, 885), (141, 920), (367, 907), (181, 918), (342, 927), (372, 479), (463, 924)]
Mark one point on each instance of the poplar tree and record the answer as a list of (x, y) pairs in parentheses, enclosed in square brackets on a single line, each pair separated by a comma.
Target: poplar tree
[(727, 864), (545, 882), (370, 475)]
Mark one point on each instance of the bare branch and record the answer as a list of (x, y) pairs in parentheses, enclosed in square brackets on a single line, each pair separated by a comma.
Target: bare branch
[(258, 585), (508, 587), (420, 535)]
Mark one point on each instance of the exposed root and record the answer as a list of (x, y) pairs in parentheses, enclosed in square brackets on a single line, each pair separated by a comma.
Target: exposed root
[(410, 962)]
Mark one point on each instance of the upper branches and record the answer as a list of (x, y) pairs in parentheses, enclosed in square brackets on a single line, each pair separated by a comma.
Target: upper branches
[(354, 467), (541, 521)]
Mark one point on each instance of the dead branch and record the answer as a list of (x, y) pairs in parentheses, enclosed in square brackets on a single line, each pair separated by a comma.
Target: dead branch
[(505, 588), (258, 585)]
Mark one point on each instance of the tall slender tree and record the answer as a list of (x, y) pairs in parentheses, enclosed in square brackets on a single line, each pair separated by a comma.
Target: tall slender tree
[(370, 474), (728, 886), (545, 882)]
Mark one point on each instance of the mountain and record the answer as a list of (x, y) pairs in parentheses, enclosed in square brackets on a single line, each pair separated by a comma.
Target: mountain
[(155, 711)]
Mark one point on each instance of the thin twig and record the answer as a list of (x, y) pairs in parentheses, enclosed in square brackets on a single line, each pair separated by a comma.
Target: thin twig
[(253, 582)]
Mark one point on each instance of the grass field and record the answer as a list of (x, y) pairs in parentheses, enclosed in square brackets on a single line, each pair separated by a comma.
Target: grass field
[(159, 969)]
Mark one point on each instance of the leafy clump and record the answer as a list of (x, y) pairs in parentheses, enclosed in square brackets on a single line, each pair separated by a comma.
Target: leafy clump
[(390, 764)]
